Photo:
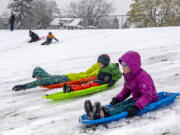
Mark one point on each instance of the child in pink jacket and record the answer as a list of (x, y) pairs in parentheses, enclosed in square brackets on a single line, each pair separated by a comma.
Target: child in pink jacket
[(137, 82)]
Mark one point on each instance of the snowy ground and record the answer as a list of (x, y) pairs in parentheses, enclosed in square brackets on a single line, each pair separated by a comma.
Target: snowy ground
[(26, 113)]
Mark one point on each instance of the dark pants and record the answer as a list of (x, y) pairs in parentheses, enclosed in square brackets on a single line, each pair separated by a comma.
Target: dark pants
[(12, 26), (33, 40), (47, 42), (120, 107)]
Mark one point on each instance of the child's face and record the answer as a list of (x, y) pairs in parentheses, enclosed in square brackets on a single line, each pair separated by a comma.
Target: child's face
[(126, 70), (37, 77), (101, 65)]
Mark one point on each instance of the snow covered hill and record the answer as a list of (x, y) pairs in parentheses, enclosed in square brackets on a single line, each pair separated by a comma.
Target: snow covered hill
[(26, 113)]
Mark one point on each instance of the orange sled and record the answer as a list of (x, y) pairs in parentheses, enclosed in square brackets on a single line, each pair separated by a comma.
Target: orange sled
[(80, 81)]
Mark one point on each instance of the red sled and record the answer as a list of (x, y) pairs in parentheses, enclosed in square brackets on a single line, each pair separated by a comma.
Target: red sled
[(80, 81), (42, 38)]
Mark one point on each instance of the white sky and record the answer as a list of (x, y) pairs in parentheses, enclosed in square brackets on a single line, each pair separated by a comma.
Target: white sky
[(122, 6)]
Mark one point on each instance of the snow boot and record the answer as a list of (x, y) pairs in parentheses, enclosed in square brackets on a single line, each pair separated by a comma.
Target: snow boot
[(88, 108), (96, 110), (64, 87), (68, 88)]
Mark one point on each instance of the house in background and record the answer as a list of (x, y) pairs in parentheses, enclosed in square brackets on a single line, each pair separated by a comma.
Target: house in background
[(67, 23), (76, 23)]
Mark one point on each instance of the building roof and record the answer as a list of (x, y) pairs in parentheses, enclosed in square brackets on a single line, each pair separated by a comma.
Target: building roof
[(67, 22), (55, 21), (75, 22)]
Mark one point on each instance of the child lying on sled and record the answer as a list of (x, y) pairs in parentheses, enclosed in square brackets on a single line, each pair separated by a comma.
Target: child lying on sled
[(137, 82), (43, 78), (109, 73)]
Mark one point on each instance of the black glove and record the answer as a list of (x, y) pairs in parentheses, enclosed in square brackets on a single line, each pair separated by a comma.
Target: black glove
[(133, 111), (19, 87), (111, 83), (114, 101)]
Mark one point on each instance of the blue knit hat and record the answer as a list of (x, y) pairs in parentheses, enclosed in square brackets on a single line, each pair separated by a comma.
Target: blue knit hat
[(30, 31), (103, 59)]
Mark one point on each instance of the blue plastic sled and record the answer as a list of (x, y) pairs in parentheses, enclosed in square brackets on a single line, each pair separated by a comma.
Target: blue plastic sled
[(164, 99)]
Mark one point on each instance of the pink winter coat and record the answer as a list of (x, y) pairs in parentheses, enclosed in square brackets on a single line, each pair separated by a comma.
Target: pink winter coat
[(138, 83)]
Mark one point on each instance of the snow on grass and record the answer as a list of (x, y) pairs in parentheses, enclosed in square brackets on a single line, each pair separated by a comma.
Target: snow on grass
[(26, 113)]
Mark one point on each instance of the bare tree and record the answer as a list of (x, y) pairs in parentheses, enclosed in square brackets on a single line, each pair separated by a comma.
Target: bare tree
[(91, 10), (178, 11), (149, 13)]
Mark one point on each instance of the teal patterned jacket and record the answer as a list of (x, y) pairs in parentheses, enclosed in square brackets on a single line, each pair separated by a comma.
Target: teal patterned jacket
[(45, 78)]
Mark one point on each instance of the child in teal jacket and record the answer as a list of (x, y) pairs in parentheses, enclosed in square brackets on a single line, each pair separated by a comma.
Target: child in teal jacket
[(43, 78)]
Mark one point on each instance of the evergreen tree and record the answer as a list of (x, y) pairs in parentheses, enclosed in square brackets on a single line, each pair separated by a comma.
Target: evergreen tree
[(41, 15), (44, 12), (22, 10)]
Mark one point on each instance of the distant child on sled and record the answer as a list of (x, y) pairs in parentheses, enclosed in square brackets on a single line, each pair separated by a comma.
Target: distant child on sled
[(49, 39), (34, 37), (136, 82), (109, 73)]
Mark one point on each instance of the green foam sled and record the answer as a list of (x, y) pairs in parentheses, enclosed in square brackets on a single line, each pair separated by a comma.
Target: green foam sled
[(62, 95)]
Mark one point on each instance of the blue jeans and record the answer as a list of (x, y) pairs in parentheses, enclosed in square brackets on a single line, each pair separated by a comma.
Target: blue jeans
[(12, 26), (49, 40)]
